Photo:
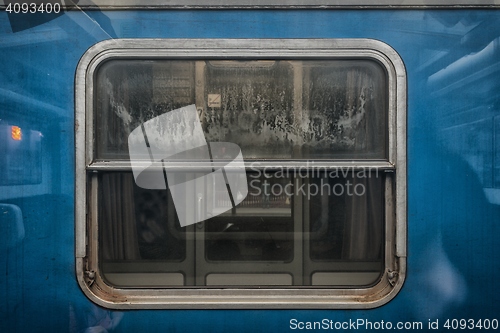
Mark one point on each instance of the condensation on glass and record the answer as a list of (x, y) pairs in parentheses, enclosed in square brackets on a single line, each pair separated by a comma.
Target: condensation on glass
[(296, 227)]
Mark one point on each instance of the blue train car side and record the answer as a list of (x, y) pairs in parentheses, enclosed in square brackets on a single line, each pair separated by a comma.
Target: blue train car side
[(452, 60)]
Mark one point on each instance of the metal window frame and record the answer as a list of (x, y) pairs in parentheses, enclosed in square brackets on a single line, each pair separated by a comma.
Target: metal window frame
[(88, 275)]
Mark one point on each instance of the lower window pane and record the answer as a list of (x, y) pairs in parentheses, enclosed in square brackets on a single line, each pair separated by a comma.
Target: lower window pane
[(310, 229)]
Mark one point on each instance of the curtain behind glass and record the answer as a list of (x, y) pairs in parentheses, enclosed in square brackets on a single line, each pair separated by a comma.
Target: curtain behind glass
[(117, 215)]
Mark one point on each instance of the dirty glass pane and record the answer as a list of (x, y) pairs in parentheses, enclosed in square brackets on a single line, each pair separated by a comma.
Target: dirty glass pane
[(307, 228), (137, 224), (250, 238), (131, 92), (346, 217), (344, 105), (283, 109), (260, 228)]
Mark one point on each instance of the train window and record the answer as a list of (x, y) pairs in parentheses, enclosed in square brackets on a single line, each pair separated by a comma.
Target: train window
[(317, 217)]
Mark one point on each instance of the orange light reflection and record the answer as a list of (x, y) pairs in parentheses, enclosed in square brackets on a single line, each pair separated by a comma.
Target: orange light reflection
[(16, 133)]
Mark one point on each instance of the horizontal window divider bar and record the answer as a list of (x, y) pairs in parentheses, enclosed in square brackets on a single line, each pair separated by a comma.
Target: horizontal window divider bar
[(257, 166)]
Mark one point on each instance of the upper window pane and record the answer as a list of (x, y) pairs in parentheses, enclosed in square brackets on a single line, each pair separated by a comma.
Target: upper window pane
[(300, 109)]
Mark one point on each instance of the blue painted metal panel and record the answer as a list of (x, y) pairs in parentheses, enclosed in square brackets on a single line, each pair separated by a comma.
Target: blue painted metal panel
[(453, 64)]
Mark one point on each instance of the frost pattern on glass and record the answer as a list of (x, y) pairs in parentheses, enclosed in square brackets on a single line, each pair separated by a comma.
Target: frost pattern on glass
[(256, 109), (346, 108), (298, 109), (131, 92), (271, 109)]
